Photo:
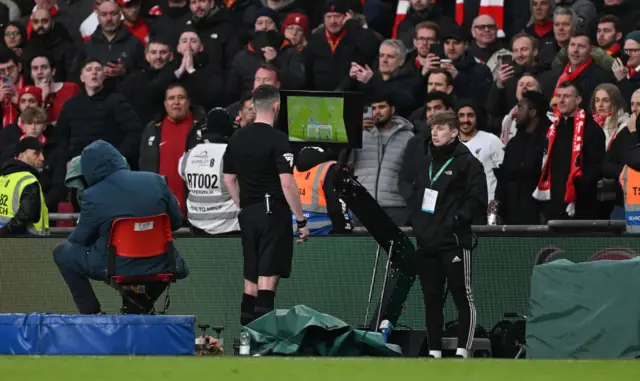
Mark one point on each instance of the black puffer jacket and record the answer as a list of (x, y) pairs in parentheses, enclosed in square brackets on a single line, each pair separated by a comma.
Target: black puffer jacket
[(104, 115)]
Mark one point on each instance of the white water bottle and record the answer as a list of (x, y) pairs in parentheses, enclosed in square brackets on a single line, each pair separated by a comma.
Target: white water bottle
[(245, 344)]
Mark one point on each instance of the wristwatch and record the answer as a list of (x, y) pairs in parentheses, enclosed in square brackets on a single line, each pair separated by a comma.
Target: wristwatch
[(301, 223)]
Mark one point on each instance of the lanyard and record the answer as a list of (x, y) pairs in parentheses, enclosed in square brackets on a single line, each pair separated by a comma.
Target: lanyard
[(434, 179)]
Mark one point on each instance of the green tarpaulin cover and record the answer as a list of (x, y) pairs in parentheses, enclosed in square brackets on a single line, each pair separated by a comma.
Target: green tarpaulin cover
[(584, 310), (302, 331)]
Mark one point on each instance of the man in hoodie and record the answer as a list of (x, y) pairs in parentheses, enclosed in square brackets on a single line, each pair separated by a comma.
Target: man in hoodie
[(23, 209), (449, 192), (324, 210), (113, 192), (585, 9)]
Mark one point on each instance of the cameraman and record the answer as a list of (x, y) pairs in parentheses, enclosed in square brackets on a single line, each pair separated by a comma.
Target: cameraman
[(449, 191)]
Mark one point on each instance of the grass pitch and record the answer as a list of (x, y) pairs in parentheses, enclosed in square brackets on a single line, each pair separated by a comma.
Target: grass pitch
[(309, 369)]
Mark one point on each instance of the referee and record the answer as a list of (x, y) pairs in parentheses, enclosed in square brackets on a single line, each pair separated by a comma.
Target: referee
[(258, 173)]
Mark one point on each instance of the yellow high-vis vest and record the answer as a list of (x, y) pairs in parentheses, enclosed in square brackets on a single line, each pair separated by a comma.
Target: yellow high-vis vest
[(11, 187)]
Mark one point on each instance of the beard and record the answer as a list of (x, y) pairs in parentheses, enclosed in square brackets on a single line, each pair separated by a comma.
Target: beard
[(382, 122)]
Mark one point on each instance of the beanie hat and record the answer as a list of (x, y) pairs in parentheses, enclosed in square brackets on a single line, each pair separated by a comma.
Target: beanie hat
[(267, 12), (635, 36), (299, 19), (337, 6), (33, 90)]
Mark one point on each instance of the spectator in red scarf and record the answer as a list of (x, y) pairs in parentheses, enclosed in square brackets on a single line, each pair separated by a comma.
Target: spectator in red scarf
[(572, 161), (610, 34)]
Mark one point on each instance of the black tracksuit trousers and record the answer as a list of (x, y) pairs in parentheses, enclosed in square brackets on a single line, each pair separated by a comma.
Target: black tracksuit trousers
[(452, 267)]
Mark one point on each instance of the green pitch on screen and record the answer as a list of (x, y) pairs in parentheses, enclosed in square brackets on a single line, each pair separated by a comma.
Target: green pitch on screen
[(316, 119)]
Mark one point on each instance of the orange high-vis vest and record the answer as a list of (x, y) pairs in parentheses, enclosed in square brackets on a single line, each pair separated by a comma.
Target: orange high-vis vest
[(310, 186), (630, 181)]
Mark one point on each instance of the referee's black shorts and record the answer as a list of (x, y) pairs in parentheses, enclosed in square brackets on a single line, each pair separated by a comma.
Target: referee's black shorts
[(267, 240)]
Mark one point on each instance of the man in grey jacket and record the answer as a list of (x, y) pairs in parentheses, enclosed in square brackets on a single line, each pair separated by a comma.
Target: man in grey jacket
[(377, 165)]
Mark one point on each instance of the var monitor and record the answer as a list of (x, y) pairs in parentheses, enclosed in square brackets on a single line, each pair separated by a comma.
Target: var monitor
[(323, 118)]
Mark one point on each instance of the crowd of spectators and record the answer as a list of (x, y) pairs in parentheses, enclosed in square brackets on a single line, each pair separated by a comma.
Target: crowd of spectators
[(142, 75)]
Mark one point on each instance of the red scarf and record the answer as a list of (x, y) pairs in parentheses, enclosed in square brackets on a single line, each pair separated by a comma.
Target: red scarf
[(52, 12), (543, 191), (334, 41), (614, 49), (632, 71), (600, 119), (568, 75), (542, 29)]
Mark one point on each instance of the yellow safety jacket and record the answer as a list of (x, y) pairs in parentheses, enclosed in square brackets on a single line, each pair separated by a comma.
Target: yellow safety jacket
[(11, 187)]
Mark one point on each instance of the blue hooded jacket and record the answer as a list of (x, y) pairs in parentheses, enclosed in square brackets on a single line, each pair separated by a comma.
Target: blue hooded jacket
[(113, 192)]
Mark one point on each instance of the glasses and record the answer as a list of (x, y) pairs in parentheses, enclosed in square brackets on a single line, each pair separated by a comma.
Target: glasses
[(425, 39), (486, 26), (631, 51), (12, 34)]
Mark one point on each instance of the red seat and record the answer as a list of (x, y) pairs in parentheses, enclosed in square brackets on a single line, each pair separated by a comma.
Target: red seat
[(140, 237)]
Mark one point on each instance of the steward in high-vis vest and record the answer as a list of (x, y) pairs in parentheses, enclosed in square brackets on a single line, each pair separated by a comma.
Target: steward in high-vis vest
[(210, 208), (23, 210), (630, 182), (322, 207)]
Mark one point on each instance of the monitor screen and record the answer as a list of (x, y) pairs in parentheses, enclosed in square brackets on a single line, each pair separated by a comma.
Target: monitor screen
[(321, 118), (316, 119)]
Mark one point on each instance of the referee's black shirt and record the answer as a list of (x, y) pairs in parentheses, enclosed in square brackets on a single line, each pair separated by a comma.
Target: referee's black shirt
[(258, 154)]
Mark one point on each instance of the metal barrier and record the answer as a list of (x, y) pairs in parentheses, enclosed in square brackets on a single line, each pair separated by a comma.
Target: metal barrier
[(581, 226)]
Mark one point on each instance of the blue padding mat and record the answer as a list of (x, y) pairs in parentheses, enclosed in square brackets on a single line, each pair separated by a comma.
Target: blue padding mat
[(98, 335)]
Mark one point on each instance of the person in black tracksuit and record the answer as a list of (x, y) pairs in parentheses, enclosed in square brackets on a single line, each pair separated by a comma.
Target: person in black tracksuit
[(448, 192)]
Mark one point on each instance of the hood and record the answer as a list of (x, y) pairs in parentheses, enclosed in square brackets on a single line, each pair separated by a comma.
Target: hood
[(399, 123), (15, 165), (311, 156), (99, 160), (283, 4)]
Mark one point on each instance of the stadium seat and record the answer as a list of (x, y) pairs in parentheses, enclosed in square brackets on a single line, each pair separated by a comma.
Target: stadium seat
[(139, 238)]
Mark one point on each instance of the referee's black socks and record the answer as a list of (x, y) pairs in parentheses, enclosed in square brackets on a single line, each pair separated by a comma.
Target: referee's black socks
[(265, 302), (247, 309)]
